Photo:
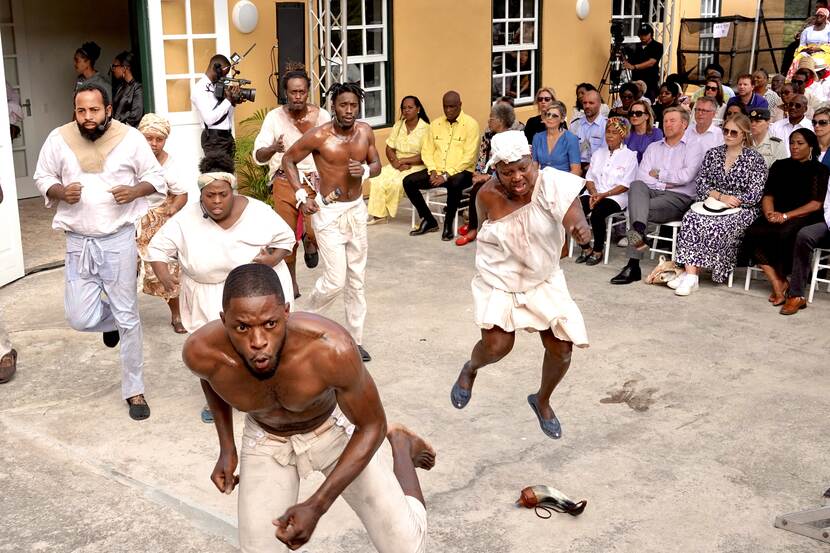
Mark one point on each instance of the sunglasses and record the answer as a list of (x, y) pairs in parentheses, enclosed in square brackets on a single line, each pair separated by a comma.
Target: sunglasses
[(544, 99), (636, 113), (798, 81), (821, 122), (795, 105), (552, 115), (712, 88), (731, 133)]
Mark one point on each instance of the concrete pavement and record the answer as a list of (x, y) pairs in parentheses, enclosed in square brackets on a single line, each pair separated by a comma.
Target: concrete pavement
[(689, 424)]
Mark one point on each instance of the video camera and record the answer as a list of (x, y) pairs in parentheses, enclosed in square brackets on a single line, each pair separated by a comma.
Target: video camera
[(238, 93)]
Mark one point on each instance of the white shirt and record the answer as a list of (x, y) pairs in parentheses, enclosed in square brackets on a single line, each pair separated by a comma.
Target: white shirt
[(827, 210), (210, 109), (713, 136), (782, 128), (608, 169), (819, 91), (171, 177), (279, 122), (97, 214), (811, 36)]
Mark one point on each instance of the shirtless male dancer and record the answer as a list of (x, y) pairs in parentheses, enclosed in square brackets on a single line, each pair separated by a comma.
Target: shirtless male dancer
[(345, 155), (311, 406)]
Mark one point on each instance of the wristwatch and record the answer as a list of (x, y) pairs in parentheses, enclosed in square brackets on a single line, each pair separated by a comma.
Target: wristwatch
[(784, 215)]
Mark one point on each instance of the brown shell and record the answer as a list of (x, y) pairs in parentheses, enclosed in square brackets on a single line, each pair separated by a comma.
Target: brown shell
[(528, 498)]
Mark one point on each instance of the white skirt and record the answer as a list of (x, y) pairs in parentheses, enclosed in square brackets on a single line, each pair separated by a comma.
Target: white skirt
[(547, 306)]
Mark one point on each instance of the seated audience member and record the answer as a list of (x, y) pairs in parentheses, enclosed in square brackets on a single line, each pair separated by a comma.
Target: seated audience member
[(642, 87), (760, 85), (557, 147), (161, 207), (730, 184), (502, 118), (610, 174), (713, 71), (793, 199), (449, 153), (578, 111), (819, 89), (735, 109), (813, 42), (807, 240), (780, 111), (821, 126), (403, 150), (667, 97), (704, 132), (544, 97), (802, 81), (714, 90), (590, 128), (746, 95), (629, 93), (796, 109), (643, 132), (770, 147), (683, 100), (776, 82), (664, 188)]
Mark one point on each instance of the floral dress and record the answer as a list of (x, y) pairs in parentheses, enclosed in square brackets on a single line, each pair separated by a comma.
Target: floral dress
[(713, 241)]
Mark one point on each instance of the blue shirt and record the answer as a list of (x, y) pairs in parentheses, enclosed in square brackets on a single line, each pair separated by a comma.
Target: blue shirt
[(591, 136), (757, 101), (565, 152)]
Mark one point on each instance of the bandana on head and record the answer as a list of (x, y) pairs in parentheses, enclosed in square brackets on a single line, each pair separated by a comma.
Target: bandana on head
[(154, 124), (207, 178), (618, 125), (507, 146), (823, 11)]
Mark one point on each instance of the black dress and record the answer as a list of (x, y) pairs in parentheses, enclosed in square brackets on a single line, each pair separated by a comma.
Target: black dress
[(128, 103), (791, 184), (534, 125)]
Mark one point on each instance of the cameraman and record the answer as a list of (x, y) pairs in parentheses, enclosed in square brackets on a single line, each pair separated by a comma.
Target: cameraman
[(216, 113), (644, 60)]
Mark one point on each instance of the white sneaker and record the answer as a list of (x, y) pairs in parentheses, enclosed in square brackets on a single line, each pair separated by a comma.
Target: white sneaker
[(623, 242), (675, 282), (687, 286)]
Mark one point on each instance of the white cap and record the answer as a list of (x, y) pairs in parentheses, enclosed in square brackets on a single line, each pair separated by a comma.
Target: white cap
[(507, 146)]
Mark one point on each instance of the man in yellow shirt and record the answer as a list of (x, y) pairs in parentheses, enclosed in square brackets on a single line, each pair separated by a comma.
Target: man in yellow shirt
[(449, 152)]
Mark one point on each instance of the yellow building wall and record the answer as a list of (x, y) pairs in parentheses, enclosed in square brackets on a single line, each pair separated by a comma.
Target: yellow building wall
[(440, 45)]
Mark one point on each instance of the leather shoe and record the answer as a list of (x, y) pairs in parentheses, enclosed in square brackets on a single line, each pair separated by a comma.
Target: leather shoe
[(793, 305), (425, 227), (583, 257), (111, 338), (462, 230), (628, 275), (448, 234)]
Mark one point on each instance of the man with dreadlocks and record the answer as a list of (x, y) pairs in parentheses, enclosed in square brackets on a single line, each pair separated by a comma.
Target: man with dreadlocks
[(311, 406), (345, 155), (281, 128)]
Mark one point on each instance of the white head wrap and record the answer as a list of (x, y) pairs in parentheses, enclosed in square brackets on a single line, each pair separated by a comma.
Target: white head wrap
[(507, 146), (207, 178)]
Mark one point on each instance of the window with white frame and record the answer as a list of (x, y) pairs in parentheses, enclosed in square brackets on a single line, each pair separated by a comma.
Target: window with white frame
[(367, 54), (708, 8), (628, 13), (515, 55)]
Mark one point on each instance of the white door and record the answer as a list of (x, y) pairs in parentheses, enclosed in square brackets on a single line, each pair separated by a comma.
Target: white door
[(11, 247), (184, 35), (16, 70)]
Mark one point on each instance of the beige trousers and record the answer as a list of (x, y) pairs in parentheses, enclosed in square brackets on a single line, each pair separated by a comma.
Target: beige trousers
[(343, 245), (269, 481)]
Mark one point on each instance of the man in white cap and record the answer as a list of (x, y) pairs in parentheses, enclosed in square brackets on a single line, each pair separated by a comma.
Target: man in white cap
[(523, 216)]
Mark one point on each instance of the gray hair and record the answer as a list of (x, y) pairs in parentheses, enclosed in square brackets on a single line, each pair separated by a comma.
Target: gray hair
[(683, 113), (504, 113), (559, 105), (707, 100)]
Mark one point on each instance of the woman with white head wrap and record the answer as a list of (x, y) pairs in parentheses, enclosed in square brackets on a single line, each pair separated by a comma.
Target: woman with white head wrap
[(156, 129), (518, 284), (213, 236)]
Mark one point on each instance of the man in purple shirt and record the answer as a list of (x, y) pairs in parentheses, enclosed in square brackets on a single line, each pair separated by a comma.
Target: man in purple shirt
[(746, 95), (664, 189)]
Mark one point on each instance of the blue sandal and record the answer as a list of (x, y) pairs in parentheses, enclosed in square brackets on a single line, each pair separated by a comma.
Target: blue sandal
[(550, 427)]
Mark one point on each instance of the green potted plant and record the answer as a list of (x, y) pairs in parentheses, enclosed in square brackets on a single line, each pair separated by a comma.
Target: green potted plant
[(253, 178)]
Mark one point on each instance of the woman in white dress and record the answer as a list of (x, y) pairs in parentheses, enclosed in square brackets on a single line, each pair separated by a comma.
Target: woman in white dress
[(212, 237), (518, 283)]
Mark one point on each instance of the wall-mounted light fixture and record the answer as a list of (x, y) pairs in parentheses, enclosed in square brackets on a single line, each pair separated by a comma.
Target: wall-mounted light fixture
[(245, 16)]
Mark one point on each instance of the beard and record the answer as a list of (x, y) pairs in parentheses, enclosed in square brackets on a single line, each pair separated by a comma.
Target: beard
[(271, 372), (295, 107), (97, 132)]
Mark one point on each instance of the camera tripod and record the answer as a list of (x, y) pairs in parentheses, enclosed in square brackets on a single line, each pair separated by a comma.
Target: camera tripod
[(615, 74)]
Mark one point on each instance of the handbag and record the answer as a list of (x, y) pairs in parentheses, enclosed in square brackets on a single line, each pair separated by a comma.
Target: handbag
[(665, 271)]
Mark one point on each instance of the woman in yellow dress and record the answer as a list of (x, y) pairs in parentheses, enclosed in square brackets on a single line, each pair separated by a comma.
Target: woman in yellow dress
[(403, 150)]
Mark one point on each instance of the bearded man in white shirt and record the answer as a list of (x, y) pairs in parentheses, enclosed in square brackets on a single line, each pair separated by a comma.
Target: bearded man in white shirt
[(98, 171)]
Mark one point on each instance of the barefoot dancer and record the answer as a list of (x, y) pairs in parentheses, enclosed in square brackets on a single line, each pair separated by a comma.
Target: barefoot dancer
[(311, 407), (524, 214)]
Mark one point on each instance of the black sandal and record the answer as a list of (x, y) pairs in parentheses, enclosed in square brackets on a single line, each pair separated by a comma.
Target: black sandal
[(6, 373), (139, 410)]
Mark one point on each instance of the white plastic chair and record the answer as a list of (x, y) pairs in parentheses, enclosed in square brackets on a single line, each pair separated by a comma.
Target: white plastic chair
[(613, 220), (821, 260), (656, 237), (432, 196)]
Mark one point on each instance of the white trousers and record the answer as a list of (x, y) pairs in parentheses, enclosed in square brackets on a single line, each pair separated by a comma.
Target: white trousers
[(5, 343), (343, 245), (107, 265), (269, 482)]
